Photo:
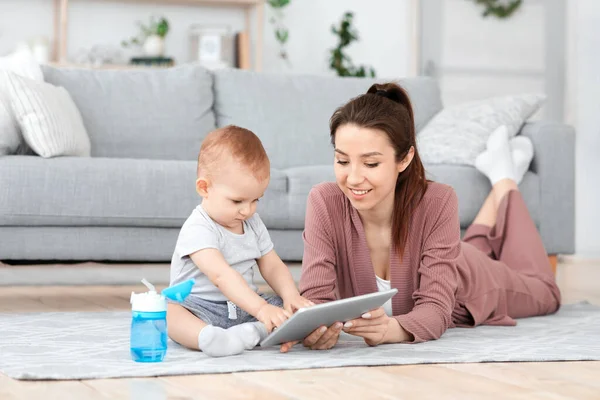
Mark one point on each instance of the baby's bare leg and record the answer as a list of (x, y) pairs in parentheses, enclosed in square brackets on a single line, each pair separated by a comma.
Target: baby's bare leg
[(183, 326)]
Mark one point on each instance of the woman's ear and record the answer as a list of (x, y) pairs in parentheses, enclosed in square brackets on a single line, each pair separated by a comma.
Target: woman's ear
[(402, 165), (202, 185)]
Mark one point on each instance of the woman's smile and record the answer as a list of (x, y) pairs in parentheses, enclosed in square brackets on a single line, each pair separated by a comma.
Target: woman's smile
[(359, 194)]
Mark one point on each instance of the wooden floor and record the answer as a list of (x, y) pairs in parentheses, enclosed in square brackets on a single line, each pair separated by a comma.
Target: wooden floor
[(560, 380)]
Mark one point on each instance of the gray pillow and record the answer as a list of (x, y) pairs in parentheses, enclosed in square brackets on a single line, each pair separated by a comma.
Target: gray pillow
[(457, 135)]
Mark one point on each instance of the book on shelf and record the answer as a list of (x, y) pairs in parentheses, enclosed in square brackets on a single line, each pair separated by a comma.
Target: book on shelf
[(242, 53)]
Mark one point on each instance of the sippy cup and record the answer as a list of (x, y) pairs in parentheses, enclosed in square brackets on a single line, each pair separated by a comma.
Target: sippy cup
[(148, 340)]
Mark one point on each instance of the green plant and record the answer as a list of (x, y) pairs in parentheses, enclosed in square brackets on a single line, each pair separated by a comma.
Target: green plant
[(157, 26), (282, 33), (339, 61), (499, 8)]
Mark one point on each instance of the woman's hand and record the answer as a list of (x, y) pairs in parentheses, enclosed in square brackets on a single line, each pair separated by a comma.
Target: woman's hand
[(375, 327), (322, 338)]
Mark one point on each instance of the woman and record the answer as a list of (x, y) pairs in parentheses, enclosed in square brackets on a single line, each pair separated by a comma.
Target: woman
[(382, 225)]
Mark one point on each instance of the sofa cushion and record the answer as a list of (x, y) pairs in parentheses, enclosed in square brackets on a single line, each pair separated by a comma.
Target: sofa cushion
[(472, 188), (95, 191), (146, 113), (290, 113), (73, 191), (285, 210)]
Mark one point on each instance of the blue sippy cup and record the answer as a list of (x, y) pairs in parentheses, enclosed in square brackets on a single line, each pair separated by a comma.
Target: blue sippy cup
[(148, 340)]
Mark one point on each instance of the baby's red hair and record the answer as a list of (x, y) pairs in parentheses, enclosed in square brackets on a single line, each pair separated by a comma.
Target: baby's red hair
[(239, 143)]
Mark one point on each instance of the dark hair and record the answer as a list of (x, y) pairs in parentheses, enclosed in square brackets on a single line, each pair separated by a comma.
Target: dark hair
[(387, 107)]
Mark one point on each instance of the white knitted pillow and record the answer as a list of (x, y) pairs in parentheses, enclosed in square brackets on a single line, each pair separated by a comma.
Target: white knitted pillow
[(21, 63), (9, 131), (49, 119), (457, 135)]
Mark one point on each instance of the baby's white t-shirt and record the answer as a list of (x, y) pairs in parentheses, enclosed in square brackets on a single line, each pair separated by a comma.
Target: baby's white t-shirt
[(239, 250)]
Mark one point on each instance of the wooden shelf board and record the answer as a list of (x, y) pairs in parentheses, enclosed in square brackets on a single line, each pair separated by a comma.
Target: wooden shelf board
[(61, 12), (216, 3)]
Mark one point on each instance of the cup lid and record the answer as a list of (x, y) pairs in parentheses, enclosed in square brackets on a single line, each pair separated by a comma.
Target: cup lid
[(148, 302)]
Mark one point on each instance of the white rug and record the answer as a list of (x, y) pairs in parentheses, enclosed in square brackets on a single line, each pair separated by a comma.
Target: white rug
[(88, 345)]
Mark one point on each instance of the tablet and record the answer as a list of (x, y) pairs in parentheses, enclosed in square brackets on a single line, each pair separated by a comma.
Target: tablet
[(306, 320)]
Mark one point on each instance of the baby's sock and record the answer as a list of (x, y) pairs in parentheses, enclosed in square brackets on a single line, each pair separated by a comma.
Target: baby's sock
[(251, 333), (219, 342), (522, 154), (496, 161)]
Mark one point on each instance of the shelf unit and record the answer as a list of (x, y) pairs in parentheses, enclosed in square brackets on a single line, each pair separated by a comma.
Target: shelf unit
[(256, 7)]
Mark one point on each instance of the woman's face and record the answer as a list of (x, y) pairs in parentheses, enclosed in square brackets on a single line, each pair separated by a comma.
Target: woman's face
[(365, 167)]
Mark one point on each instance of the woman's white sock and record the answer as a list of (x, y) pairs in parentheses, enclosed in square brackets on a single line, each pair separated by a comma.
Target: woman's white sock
[(219, 342), (521, 149), (496, 161)]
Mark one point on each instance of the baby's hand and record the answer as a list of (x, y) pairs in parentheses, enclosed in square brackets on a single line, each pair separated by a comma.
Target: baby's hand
[(272, 316), (295, 303)]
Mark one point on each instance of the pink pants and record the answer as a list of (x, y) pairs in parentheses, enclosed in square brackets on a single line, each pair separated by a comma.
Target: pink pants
[(521, 280)]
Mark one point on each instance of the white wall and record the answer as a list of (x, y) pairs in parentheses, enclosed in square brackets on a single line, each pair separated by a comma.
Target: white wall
[(23, 19), (485, 57), (382, 24), (584, 87)]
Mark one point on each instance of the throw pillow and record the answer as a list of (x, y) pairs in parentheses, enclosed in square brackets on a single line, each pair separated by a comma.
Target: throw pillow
[(457, 135), (49, 119), (21, 63), (9, 131)]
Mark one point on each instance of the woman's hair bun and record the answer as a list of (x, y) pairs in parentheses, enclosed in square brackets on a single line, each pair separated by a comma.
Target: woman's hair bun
[(390, 91), (394, 92)]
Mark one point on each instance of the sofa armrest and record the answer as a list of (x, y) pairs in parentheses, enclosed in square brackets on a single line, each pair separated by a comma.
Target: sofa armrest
[(554, 163)]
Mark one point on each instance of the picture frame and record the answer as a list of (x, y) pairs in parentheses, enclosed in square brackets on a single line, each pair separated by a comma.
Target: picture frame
[(213, 46)]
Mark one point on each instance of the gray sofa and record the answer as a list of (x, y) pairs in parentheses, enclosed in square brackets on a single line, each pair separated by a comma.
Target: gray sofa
[(128, 201)]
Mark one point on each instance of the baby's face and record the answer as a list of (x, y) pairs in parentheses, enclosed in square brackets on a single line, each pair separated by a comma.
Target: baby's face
[(233, 196)]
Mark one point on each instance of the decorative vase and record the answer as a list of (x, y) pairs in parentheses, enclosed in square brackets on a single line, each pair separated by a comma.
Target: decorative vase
[(154, 46)]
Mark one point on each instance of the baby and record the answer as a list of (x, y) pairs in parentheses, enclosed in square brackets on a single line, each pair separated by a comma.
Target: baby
[(218, 246)]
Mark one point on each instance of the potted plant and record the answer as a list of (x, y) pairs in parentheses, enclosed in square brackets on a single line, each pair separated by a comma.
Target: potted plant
[(281, 31), (151, 37), (339, 61), (499, 8)]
